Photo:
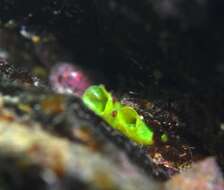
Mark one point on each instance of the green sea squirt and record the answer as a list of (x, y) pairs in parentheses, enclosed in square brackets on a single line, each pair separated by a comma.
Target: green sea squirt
[(121, 117)]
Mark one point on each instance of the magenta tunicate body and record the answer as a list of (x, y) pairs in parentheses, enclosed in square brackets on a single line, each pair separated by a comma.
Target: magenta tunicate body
[(67, 78)]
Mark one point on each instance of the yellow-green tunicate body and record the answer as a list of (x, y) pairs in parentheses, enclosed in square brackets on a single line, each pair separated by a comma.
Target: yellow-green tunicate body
[(121, 117)]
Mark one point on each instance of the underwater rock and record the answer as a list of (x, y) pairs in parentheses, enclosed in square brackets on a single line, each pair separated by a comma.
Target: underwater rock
[(204, 175), (58, 146)]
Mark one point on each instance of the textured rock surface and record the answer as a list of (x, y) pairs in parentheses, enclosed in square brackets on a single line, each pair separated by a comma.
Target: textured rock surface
[(61, 162), (53, 142), (202, 176)]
